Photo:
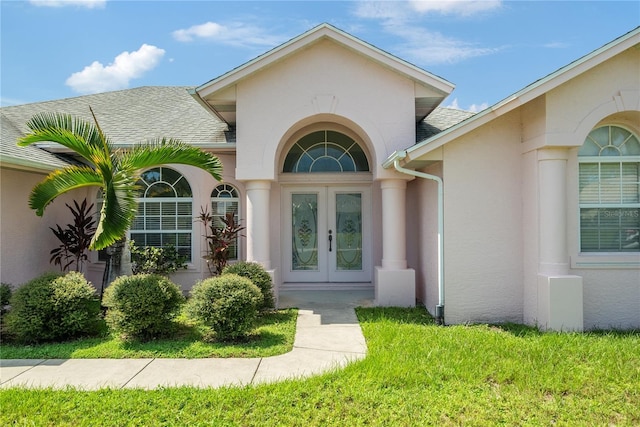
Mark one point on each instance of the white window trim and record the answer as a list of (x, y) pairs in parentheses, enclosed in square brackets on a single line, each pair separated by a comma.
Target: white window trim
[(595, 260), (241, 221), (191, 264)]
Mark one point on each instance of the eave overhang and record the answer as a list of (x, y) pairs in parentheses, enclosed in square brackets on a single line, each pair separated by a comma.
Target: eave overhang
[(219, 94), (414, 156)]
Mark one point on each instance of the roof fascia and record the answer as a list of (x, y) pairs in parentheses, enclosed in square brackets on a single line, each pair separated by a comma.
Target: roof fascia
[(54, 147), (312, 36), (523, 96), (11, 162)]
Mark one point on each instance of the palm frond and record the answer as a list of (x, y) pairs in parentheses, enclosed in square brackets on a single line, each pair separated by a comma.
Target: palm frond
[(59, 182), (71, 132), (118, 210), (162, 151)]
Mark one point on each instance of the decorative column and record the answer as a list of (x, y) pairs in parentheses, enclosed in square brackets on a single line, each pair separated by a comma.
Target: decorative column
[(394, 248), (258, 222), (559, 294), (552, 202), (395, 284)]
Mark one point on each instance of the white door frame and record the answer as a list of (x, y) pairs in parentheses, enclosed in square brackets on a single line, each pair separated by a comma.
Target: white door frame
[(327, 271)]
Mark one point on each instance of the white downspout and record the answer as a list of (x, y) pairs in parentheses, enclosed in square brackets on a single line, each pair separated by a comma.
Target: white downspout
[(399, 155)]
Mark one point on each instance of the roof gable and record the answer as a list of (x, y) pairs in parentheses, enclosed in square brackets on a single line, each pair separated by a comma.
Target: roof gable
[(540, 87), (219, 95)]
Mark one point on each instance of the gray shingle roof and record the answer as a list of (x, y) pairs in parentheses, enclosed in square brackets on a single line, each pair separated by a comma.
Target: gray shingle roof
[(134, 115), (440, 119), (10, 153)]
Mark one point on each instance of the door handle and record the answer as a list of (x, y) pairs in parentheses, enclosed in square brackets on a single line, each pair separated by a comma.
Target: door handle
[(330, 239)]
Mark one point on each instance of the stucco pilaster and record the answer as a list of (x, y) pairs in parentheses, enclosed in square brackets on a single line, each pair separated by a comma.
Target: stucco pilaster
[(258, 222), (394, 247), (552, 208), (394, 283)]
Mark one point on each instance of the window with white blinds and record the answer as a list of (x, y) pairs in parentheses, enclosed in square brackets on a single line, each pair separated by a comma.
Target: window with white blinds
[(609, 185), (224, 200), (164, 214)]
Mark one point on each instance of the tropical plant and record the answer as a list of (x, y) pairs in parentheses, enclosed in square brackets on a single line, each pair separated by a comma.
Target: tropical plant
[(114, 171), (220, 238), (154, 260), (75, 239)]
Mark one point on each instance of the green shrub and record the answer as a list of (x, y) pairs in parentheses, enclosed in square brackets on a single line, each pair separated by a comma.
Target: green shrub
[(259, 276), (53, 307), (142, 306), (154, 260), (227, 304), (5, 295)]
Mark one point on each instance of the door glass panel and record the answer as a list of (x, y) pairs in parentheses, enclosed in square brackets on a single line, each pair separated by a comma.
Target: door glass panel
[(304, 222), (349, 231)]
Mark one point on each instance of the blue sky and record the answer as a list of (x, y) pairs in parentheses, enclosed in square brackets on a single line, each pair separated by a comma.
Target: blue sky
[(489, 49)]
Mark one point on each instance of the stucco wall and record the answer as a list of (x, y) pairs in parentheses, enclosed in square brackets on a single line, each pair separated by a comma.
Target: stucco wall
[(326, 82), (25, 238), (483, 225), (607, 94), (571, 104)]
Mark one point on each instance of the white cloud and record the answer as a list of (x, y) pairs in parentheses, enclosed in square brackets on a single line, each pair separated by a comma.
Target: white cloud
[(126, 66), (419, 44), (89, 4), (474, 108), (556, 45), (235, 34), (430, 48), (455, 7)]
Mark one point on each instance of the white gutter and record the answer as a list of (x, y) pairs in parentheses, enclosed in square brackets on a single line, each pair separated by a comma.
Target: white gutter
[(395, 158)]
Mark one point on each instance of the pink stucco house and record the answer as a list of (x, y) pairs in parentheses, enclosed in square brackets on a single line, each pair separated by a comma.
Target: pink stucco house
[(348, 173)]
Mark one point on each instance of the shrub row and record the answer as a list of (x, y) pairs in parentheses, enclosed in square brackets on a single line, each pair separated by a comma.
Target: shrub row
[(53, 307)]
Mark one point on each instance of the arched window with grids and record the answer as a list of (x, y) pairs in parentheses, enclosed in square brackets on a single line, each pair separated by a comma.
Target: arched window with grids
[(164, 214), (325, 151), (609, 185), (225, 200)]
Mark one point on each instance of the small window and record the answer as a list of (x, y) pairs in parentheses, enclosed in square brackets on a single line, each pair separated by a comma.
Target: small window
[(225, 200), (325, 151), (164, 214), (609, 185)]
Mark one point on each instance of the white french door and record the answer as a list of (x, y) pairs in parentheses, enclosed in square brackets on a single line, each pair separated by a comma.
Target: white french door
[(327, 232)]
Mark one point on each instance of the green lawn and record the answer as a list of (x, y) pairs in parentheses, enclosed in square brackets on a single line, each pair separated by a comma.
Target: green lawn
[(274, 334), (416, 374)]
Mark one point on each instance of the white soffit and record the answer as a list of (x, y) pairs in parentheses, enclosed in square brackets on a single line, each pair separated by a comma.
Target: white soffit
[(219, 96)]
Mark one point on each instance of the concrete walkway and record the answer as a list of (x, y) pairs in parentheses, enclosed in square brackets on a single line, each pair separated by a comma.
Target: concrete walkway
[(328, 336)]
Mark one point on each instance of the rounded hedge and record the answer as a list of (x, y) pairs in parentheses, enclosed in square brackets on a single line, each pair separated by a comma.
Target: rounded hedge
[(53, 307), (228, 304), (142, 306), (259, 276)]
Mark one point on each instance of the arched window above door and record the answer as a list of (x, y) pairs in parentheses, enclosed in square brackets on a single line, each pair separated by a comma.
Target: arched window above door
[(325, 151)]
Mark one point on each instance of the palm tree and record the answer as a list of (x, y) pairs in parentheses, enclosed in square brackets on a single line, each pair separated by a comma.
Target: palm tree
[(115, 171)]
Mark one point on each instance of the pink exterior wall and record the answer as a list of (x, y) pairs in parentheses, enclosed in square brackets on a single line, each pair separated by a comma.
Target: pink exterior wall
[(25, 238), (607, 94), (483, 225), (325, 82)]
